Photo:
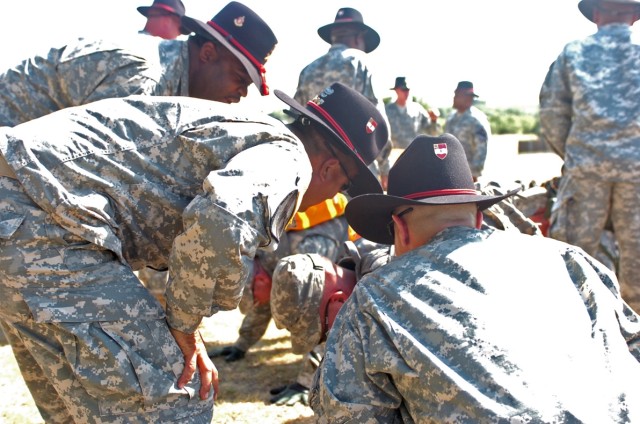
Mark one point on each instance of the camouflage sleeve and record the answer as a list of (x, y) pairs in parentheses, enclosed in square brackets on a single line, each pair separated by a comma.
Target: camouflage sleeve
[(344, 388), (555, 107), (481, 140), (212, 258)]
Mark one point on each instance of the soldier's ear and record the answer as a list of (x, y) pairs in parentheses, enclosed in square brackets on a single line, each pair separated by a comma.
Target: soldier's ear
[(208, 52)]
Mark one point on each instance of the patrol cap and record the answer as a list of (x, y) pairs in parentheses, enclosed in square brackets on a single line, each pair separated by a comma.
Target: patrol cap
[(431, 171), (587, 6), (350, 16), (172, 6), (244, 33), (296, 294), (356, 125), (465, 87)]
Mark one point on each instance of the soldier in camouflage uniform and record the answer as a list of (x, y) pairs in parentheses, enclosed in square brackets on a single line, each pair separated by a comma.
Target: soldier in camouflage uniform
[(323, 238), (409, 118), (590, 116), (445, 333), (469, 125), (346, 62), (91, 193), (207, 66)]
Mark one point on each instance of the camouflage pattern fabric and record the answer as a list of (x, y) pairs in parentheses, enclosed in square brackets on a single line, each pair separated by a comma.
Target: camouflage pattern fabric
[(552, 345), (409, 121), (86, 70), (324, 239), (298, 283), (580, 210), (590, 115), (84, 358), (473, 130), (348, 66), (121, 184)]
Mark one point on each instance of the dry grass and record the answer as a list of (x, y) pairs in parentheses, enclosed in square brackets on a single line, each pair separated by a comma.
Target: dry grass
[(244, 388)]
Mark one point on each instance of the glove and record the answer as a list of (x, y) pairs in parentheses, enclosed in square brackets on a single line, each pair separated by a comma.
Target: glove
[(290, 394), (230, 353)]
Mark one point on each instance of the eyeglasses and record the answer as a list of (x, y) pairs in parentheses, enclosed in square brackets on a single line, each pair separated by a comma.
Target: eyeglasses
[(347, 186), (399, 215)]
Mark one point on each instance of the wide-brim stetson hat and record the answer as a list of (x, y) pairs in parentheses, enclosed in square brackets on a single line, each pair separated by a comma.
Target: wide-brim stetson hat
[(348, 15), (587, 6), (431, 171), (172, 6), (355, 124), (244, 33)]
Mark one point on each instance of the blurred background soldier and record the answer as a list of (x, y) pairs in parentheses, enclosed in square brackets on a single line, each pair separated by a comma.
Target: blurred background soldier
[(164, 19), (469, 125), (590, 116), (346, 62), (409, 118)]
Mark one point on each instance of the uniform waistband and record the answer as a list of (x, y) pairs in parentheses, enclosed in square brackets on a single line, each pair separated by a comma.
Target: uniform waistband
[(5, 169)]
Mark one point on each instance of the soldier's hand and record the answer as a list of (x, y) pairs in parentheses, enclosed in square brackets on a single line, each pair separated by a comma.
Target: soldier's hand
[(196, 359), (230, 353), (290, 395)]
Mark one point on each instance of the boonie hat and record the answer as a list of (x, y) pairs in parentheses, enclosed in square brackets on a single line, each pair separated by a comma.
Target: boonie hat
[(172, 6), (244, 33), (401, 83), (587, 6), (357, 127), (466, 87), (431, 171), (348, 15)]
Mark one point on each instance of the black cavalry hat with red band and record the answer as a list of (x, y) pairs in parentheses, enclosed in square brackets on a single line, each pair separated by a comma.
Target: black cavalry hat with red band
[(431, 171), (172, 6), (348, 15), (244, 33), (357, 127), (587, 7)]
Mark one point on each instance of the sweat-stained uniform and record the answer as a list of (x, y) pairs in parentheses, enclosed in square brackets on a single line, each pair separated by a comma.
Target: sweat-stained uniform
[(444, 333), (409, 121), (86, 70), (107, 188), (590, 116), (473, 130), (348, 66)]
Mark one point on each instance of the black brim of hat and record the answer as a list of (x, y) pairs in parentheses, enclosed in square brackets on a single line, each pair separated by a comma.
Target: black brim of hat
[(371, 37), (365, 182), (586, 8), (203, 29), (369, 214)]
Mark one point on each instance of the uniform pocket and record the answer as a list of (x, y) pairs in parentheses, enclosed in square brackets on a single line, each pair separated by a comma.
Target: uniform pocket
[(129, 367)]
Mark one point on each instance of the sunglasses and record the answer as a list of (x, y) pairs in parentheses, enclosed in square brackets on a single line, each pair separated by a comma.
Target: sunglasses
[(399, 215)]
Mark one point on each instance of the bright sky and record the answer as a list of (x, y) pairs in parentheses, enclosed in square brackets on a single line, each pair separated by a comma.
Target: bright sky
[(504, 46)]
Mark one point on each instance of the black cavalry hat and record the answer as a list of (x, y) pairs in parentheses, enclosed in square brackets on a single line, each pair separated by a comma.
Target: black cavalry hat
[(172, 6), (586, 6), (348, 15), (244, 33), (431, 171), (357, 127), (401, 83)]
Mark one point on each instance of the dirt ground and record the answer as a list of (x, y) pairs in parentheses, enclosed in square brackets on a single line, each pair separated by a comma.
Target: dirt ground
[(244, 389)]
